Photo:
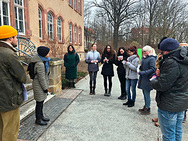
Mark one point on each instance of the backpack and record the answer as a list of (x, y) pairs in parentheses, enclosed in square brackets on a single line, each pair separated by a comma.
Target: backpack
[(31, 68)]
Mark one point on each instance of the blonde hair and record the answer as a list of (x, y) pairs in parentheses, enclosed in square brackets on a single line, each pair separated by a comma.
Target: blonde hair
[(150, 49)]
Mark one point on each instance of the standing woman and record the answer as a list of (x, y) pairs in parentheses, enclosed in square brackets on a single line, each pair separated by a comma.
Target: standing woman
[(147, 70), (131, 66), (121, 55), (41, 82), (92, 59), (71, 60), (108, 59)]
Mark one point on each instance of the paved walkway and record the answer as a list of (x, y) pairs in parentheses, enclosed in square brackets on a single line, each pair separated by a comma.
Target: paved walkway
[(99, 118)]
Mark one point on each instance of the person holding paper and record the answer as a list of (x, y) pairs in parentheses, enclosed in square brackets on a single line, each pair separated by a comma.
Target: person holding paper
[(147, 70), (131, 66)]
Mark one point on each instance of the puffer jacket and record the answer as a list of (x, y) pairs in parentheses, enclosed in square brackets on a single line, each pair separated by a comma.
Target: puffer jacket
[(41, 80), (12, 75), (131, 67), (93, 55), (172, 84)]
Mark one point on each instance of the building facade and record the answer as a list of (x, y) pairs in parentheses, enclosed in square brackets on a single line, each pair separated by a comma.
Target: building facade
[(55, 24)]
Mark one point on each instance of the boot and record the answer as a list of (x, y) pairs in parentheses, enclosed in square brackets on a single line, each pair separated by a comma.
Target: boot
[(45, 119), (140, 110), (40, 122), (127, 103), (184, 119), (73, 85), (123, 97), (93, 92), (146, 111), (105, 94), (90, 90), (69, 84), (131, 104), (109, 93)]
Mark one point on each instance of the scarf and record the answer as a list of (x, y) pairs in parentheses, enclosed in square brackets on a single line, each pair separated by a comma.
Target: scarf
[(46, 62)]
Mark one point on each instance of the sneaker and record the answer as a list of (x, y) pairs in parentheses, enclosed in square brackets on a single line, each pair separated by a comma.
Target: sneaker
[(146, 112), (140, 110)]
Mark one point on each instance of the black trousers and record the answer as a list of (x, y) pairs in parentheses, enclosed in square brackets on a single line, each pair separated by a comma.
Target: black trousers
[(39, 110), (105, 82), (122, 80), (93, 76)]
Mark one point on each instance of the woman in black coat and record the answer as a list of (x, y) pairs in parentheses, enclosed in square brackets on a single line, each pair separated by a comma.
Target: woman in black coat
[(108, 59), (121, 55)]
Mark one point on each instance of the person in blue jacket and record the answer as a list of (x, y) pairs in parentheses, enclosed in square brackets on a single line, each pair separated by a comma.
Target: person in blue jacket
[(92, 59), (147, 70)]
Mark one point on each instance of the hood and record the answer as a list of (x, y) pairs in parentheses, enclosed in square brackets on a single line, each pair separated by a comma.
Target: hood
[(35, 59), (180, 55), (131, 58)]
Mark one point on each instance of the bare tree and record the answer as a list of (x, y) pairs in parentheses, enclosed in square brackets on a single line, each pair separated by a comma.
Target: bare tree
[(118, 12)]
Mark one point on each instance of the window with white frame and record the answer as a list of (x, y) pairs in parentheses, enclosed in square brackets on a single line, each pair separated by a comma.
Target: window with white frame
[(75, 4), (79, 35), (50, 26), (40, 23), (59, 29), (19, 15), (75, 34), (79, 6), (70, 32), (4, 12)]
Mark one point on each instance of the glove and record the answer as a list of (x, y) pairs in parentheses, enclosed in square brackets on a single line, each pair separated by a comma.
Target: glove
[(45, 91)]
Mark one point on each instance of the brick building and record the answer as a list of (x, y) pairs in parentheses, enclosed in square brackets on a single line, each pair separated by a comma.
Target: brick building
[(52, 23)]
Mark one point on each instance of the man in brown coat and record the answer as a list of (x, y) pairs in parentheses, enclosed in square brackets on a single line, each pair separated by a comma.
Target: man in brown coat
[(12, 75)]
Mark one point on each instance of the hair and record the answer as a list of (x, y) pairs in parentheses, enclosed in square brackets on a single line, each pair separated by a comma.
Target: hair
[(93, 44), (5, 39), (125, 51), (69, 47), (111, 51), (147, 48), (134, 49)]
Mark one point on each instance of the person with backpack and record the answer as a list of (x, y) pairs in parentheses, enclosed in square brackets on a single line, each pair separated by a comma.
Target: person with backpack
[(12, 77), (108, 59), (41, 82), (92, 59), (71, 60)]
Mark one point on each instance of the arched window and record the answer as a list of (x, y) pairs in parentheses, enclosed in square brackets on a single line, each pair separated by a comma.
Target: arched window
[(19, 15), (40, 23), (70, 32), (79, 36), (50, 26), (59, 29), (75, 34), (4, 13)]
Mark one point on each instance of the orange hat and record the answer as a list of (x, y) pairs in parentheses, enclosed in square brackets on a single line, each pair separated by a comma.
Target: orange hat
[(7, 31)]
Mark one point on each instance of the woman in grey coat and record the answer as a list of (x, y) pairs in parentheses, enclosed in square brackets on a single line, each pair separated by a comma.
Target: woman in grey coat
[(131, 66), (41, 82)]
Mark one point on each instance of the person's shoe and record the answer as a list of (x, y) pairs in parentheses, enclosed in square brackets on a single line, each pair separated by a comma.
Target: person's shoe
[(93, 92), (155, 120), (146, 112), (40, 122), (131, 104), (90, 91), (123, 97), (157, 124), (45, 119), (140, 110), (73, 85), (109, 93), (119, 97), (69, 85), (127, 103)]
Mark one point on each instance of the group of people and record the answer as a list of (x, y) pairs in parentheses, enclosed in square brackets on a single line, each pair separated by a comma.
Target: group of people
[(166, 73)]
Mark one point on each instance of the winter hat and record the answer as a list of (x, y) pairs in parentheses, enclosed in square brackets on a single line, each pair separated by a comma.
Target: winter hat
[(43, 51), (169, 44), (161, 41), (7, 31)]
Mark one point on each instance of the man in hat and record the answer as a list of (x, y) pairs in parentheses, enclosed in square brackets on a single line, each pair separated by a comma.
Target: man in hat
[(172, 90), (12, 75)]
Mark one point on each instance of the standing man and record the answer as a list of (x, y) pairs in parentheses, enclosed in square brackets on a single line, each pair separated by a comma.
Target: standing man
[(12, 75), (172, 90)]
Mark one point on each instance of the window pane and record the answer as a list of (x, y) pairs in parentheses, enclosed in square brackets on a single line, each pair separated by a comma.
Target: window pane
[(21, 26), (16, 18), (5, 9), (20, 11), (5, 21), (70, 2), (75, 2)]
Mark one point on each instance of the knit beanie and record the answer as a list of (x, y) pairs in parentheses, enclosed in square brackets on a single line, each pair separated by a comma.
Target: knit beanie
[(161, 41), (43, 51), (7, 31), (169, 44)]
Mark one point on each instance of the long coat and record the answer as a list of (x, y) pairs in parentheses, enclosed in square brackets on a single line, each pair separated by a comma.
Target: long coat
[(120, 69), (41, 80), (71, 61), (12, 75), (107, 68), (147, 69)]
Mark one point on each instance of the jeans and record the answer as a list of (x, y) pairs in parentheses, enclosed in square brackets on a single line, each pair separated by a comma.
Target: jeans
[(93, 76), (171, 125), (147, 98), (131, 83), (39, 110)]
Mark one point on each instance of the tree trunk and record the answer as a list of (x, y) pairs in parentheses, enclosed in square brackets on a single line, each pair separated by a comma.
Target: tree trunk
[(115, 37)]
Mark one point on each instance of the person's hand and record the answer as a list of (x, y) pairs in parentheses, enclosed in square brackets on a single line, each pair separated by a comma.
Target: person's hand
[(158, 72), (45, 91), (124, 62), (104, 60)]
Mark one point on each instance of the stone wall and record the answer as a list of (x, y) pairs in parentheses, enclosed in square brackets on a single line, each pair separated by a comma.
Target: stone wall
[(55, 84)]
